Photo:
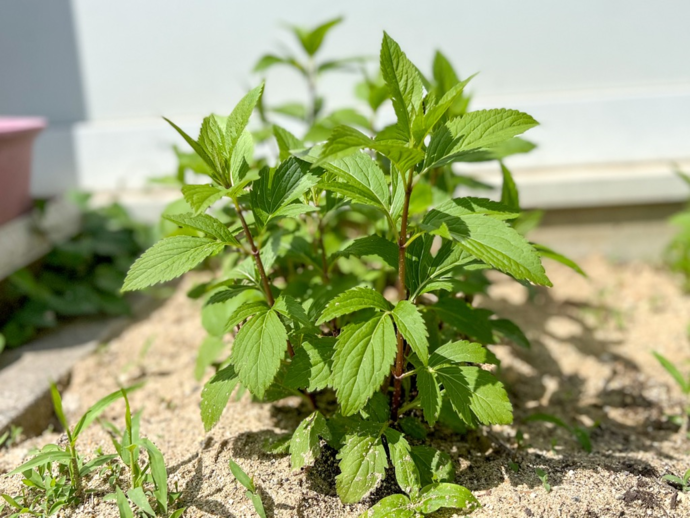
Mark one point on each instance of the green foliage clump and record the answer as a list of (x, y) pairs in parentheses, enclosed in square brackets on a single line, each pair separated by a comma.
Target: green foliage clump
[(677, 253), (82, 276), (352, 271)]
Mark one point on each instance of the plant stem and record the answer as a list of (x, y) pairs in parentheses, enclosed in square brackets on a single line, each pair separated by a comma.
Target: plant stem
[(74, 465), (259, 264), (402, 295)]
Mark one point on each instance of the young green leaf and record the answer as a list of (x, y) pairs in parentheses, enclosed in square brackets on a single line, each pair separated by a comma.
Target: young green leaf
[(361, 179), (158, 473), (201, 197), (59, 412), (437, 496), (473, 322), (311, 365), (406, 472), (429, 395), (363, 464), (239, 118), (241, 476), (311, 40), (548, 253), (169, 258), (353, 300), (199, 150), (461, 351), (363, 356), (216, 394), (509, 193), (305, 445), (97, 409), (411, 325), (434, 466), (59, 456), (393, 506), (138, 497), (123, 504), (258, 350), (209, 225), (371, 246), (673, 371)]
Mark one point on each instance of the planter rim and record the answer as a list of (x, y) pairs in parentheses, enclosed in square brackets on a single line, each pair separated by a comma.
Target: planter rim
[(13, 125)]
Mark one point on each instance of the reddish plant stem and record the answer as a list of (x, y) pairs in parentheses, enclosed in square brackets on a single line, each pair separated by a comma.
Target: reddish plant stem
[(402, 295), (259, 265)]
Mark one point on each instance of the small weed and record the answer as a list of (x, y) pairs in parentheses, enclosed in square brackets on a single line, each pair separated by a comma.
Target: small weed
[(682, 484), (544, 477), (580, 433), (248, 484), (11, 436), (682, 382)]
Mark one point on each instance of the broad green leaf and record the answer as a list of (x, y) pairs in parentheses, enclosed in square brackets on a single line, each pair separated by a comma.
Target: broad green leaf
[(353, 300), (209, 225), (513, 146), (242, 155), (169, 258), (287, 142), (448, 211), (393, 506), (201, 197), (311, 365), (363, 356), (287, 306), (311, 40), (216, 394), (548, 253), (487, 238), (438, 496), (403, 80), (411, 325), (241, 476), (198, 149), (123, 504), (673, 371), (509, 192), (461, 351), (59, 456), (158, 472), (243, 312), (508, 329), (433, 465), (406, 472), (305, 445), (137, 495), (437, 111), (473, 322), (212, 139), (364, 177), (363, 464), (293, 210), (413, 427), (370, 245), (209, 350), (258, 350), (239, 118), (472, 390), (429, 395), (377, 409)]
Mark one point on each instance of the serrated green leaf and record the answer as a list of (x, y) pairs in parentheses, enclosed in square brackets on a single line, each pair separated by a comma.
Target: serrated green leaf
[(472, 390), (287, 306), (363, 464), (293, 210), (429, 395), (411, 325), (393, 506), (353, 300), (201, 197), (258, 350), (198, 149), (239, 118), (363, 356), (311, 366), (434, 466), (438, 496), (209, 225), (245, 311), (287, 142), (403, 80), (212, 139), (508, 329), (406, 472), (305, 445), (377, 409), (169, 258), (487, 238), (370, 245), (438, 110), (216, 394), (473, 322), (461, 351), (241, 156), (509, 193), (364, 178)]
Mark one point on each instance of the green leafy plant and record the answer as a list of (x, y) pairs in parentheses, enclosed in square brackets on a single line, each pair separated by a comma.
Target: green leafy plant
[(80, 277), (682, 484), (682, 382), (148, 482), (248, 484), (580, 433), (677, 253), (544, 477), (53, 477), (352, 270)]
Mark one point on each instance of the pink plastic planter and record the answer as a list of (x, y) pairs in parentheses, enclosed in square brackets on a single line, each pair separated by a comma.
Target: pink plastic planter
[(16, 141)]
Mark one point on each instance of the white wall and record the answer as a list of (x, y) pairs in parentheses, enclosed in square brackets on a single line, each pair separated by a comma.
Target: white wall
[(608, 79)]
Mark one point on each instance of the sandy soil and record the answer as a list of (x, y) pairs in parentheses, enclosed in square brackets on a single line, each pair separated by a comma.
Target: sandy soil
[(590, 365)]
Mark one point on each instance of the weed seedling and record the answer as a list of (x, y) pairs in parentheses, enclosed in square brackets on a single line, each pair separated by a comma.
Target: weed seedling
[(544, 477), (11, 436), (682, 484), (248, 484), (682, 382)]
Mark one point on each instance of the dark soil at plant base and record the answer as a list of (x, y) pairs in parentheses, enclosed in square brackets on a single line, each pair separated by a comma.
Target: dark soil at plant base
[(590, 364)]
